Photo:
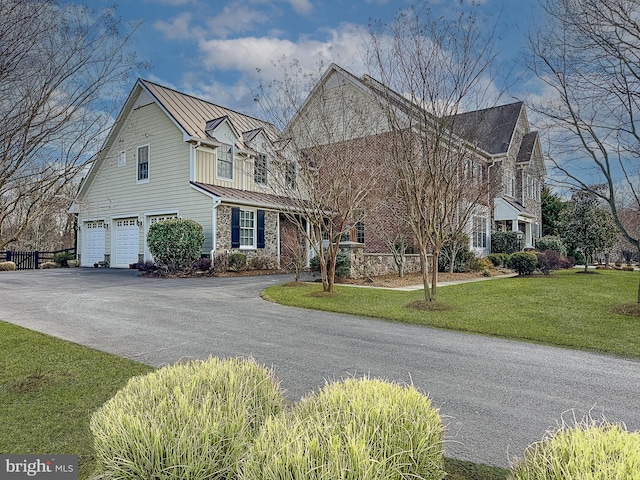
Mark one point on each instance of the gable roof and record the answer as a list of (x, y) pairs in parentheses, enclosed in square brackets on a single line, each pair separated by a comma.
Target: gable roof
[(526, 147), (490, 128), (194, 115)]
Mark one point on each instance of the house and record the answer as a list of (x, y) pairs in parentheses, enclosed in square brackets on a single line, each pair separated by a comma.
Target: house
[(497, 144), (515, 165), (171, 155)]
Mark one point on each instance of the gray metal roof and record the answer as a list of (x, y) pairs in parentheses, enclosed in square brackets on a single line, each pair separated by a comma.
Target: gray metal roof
[(192, 113)]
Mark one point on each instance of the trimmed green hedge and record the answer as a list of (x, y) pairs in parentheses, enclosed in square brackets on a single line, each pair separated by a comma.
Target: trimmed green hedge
[(176, 244)]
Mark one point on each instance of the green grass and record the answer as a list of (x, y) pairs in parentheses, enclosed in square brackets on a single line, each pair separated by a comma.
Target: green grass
[(567, 308), (48, 390), (50, 387)]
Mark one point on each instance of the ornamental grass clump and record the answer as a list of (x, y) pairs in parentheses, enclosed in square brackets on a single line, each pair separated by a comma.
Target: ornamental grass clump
[(353, 430), (586, 451), (185, 421)]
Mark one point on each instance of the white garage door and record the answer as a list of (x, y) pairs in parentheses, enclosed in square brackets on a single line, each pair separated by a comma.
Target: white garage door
[(93, 250), (127, 242)]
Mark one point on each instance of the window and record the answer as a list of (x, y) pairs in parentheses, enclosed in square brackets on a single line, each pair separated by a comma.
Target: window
[(359, 228), (290, 176), (509, 183), (143, 163), (225, 161), (247, 228), (479, 232), (260, 169)]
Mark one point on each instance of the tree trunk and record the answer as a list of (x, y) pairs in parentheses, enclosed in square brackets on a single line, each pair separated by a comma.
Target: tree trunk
[(434, 275), (424, 260)]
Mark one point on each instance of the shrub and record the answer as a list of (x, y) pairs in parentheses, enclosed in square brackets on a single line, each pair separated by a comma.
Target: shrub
[(262, 262), (578, 256), (523, 262), (7, 266), (185, 421), (480, 264), (149, 268), (237, 262), (548, 261), (505, 242), (499, 259), (357, 429), (220, 262), (552, 242), (61, 258), (203, 264), (343, 267), (176, 243), (586, 451), (463, 261)]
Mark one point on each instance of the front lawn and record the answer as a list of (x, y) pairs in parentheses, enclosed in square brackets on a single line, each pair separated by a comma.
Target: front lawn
[(48, 390), (566, 308)]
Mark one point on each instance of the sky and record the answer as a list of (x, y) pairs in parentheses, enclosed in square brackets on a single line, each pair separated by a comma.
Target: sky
[(221, 50)]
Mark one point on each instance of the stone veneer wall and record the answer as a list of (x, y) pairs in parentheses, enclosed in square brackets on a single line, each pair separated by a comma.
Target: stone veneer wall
[(364, 265), (223, 235)]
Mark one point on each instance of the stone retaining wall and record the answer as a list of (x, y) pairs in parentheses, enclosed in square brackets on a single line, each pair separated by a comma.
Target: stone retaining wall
[(363, 265)]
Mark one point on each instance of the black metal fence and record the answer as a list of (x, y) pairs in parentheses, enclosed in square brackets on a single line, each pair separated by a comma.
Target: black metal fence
[(31, 260)]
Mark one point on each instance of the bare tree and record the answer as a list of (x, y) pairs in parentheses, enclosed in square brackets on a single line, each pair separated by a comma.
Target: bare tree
[(320, 164), (62, 69), (438, 67), (588, 57)]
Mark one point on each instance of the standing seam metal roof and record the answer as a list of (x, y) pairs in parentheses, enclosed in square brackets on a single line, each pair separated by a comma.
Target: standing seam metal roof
[(192, 113)]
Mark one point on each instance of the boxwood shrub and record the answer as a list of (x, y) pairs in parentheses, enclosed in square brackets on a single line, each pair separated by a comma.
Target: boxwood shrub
[(586, 451), (524, 263), (176, 243), (359, 429), (186, 421)]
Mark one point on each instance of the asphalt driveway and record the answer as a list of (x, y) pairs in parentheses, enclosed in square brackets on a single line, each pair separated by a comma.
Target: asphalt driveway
[(496, 396)]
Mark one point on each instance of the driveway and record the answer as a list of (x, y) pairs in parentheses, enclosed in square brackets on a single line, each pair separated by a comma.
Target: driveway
[(496, 396)]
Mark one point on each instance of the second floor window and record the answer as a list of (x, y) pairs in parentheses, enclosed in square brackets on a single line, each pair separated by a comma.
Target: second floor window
[(509, 183), (225, 161), (143, 163), (260, 169), (290, 176)]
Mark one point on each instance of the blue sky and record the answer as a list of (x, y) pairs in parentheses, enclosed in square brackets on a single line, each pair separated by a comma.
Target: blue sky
[(214, 48)]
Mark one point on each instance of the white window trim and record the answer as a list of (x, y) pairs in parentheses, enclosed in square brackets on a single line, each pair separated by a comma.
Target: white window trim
[(484, 232), (144, 180), (266, 169), (254, 245), (233, 162)]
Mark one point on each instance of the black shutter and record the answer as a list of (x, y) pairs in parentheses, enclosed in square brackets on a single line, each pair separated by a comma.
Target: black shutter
[(260, 232), (235, 227)]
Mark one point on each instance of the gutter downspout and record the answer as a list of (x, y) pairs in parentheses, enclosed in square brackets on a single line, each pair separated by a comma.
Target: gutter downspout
[(214, 228), (490, 204)]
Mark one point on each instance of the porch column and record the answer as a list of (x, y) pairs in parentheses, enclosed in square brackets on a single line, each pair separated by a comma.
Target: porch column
[(514, 225)]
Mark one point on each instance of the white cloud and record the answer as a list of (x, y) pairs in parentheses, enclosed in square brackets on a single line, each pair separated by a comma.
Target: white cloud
[(235, 19), (179, 28), (247, 54), (302, 7)]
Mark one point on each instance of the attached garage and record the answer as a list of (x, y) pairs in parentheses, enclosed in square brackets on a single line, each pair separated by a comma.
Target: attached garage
[(93, 244), (127, 242)]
